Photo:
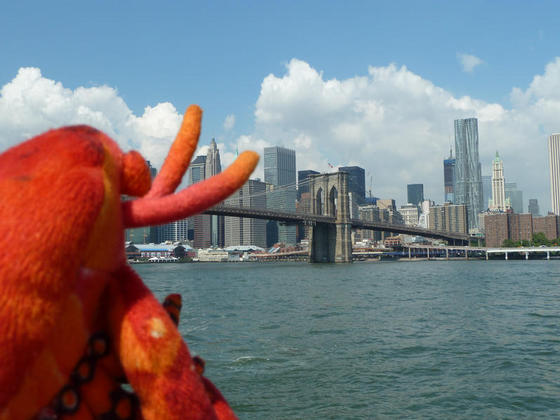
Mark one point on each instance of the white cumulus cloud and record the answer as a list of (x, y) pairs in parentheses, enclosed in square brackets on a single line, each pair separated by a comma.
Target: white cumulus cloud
[(31, 104), (398, 126), (229, 122), (388, 120), (468, 62)]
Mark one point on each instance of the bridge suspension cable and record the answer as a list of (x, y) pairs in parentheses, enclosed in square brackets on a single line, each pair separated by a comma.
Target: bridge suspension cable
[(277, 188)]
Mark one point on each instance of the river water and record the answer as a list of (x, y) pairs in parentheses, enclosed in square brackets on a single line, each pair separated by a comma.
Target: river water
[(426, 339)]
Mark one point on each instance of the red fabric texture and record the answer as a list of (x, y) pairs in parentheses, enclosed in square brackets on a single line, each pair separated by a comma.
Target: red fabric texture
[(63, 273)]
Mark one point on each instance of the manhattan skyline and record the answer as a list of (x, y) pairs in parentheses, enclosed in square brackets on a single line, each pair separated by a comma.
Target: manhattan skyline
[(358, 93)]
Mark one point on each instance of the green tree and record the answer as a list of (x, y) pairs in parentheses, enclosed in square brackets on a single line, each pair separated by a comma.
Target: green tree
[(508, 243), (540, 239)]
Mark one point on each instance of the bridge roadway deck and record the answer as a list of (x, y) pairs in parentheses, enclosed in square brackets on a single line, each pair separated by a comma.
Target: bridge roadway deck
[(289, 217)]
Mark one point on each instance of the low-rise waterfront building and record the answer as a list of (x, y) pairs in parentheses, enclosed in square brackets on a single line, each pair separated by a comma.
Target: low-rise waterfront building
[(393, 241), (518, 227), (213, 255), (549, 225), (501, 226), (135, 251)]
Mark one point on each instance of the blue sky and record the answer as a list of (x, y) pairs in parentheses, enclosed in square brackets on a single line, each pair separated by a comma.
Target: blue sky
[(218, 54)]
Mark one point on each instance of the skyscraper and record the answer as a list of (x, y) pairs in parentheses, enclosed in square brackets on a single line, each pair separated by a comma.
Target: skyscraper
[(143, 234), (213, 167), (197, 173), (498, 185), (554, 166), (486, 191), (280, 171), (515, 197), (534, 207), (449, 177), (415, 193), (197, 169), (303, 184), (468, 183), (247, 231), (208, 229), (356, 182)]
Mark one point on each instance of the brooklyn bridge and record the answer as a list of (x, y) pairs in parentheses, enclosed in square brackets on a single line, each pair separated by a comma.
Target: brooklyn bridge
[(330, 222)]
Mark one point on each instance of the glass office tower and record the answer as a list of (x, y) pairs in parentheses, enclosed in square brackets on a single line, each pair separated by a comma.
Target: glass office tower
[(356, 182), (449, 178), (415, 194), (280, 171), (468, 181)]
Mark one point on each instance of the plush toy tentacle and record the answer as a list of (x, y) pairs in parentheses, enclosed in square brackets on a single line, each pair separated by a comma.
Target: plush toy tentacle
[(155, 359), (194, 199), (180, 154)]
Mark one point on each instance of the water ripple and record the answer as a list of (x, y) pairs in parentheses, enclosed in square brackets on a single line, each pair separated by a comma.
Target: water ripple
[(461, 339)]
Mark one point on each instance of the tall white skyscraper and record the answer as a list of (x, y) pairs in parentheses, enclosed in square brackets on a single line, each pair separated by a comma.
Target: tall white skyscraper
[(498, 202), (467, 187), (554, 165)]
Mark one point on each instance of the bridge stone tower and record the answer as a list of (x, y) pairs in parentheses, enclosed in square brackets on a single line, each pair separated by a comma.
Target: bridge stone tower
[(327, 242)]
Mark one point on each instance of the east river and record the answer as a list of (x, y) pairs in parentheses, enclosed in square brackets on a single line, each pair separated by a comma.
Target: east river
[(427, 339)]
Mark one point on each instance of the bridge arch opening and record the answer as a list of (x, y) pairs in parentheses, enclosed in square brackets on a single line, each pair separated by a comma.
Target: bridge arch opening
[(320, 200), (333, 201)]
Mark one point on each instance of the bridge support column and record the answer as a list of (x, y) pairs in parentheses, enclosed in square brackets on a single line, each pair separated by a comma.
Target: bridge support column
[(446, 253), (527, 255), (343, 252), (322, 240), (428, 252), (548, 255), (331, 242)]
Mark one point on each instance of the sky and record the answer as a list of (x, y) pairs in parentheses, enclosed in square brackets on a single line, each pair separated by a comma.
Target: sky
[(368, 83)]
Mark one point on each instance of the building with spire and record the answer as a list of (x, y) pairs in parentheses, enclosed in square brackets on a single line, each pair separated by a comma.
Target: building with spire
[(208, 229), (213, 164), (214, 167), (498, 201)]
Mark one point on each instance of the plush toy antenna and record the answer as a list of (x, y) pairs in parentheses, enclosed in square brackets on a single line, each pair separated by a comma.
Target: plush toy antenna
[(179, 156), (161, 206)]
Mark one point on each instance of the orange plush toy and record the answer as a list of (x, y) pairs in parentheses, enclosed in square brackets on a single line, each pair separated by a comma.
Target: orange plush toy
[(76, 322)]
